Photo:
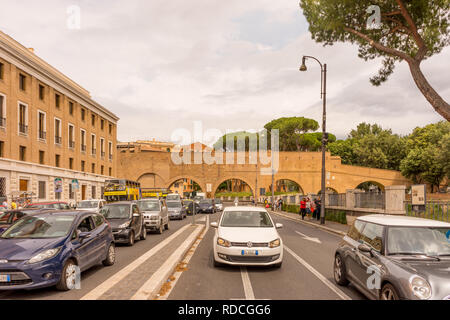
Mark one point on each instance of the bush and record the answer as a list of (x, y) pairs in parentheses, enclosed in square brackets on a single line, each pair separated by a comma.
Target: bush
[(336, 216)]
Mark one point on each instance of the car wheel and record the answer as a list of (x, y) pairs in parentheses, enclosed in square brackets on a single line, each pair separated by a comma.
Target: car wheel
[(217, 264), (160, 230), (388, 292), (339, 271), (131, 239), (68, 276), (143, 233), (111, 256)]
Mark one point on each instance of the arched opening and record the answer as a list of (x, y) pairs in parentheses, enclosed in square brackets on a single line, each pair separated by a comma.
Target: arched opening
[(327, 190), (286, 186), (185, 187), (370, 186), (151, 180), (233, 188)]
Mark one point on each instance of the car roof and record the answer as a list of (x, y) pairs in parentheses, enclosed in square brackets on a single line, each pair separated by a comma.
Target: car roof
[(149, 199), (406, 221), (43, 203), (244, 208), (91, 200), (121, 202)]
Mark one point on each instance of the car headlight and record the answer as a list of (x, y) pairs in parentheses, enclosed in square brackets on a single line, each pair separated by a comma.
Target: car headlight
[(45, 255), (275, 243), (223, 243), (125, 225), (420, 287)]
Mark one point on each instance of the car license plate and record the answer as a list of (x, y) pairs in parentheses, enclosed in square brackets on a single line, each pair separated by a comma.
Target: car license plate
[(5, 278), (250, 252)]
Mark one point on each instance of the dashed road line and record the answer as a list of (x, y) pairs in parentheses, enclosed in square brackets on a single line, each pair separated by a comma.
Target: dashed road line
[(248, 290)]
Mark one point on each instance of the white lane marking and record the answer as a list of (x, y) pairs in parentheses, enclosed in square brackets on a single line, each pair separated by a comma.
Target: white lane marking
[(330, 285), (114, 279), (248, 290), (151, 285), (186, 261), (304, 236)]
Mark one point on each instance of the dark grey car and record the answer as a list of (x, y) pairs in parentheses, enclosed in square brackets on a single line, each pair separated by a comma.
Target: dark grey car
[(176, 210), (396, 257)]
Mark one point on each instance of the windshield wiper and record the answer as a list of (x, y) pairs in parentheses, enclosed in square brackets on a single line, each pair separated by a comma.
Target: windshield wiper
[(415, 254)]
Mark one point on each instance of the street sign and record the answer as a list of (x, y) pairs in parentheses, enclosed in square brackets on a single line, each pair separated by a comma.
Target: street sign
[(58, 185), (75, 184)]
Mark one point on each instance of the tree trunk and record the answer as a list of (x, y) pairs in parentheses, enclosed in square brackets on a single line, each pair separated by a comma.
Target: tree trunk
[(436, 101)]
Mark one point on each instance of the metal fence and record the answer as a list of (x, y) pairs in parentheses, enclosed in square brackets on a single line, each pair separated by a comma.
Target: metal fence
[(370, 200), (436, 210), (337, 200)]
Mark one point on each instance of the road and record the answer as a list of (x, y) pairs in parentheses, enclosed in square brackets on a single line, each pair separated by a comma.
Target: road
[(306, 273)]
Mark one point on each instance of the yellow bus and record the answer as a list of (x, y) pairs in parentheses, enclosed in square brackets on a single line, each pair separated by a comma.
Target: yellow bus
[(122, 190), (154, 192)]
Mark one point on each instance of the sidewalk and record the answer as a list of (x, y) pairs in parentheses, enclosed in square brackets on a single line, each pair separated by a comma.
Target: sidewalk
[(331, 226)]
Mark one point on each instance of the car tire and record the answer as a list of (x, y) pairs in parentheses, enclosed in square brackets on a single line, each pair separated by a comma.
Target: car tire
[(131, 239), (160, 230), (110, 256), (388, 292), (143, 233), (339, 272), (67, 271), (217, 264)]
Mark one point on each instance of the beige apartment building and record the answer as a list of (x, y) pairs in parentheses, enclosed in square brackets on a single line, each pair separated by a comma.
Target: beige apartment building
[(51, 131)]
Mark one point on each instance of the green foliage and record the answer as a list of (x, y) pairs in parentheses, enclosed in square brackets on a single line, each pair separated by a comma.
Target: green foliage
[(336, 216), (233, 194), (293, 208), (241, 141), (428, 155)]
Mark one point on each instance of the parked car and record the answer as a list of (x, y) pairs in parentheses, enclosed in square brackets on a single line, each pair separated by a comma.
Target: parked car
[(206, 206), (8, 218), (173, 197), (396, 257), (91, 205), (45, 249), (189, 206), (247, 236), (126, 220), (199, 197), (56, 205), (176, 210), (219, 204), (156, 215)]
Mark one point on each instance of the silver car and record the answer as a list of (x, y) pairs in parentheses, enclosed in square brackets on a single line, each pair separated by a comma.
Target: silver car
[(156, 216), (396, 257), (176, 210)]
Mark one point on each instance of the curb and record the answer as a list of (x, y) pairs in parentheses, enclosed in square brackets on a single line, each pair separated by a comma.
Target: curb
[(170, 270), (338, 232)]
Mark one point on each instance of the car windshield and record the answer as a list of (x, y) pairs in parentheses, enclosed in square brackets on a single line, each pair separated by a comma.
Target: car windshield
[(116, 211), (172, 197), (87, 204), (148, 205), (419, 240), (206, 201), (5, 217), (218, 201), (44, 206), (40, 227), (246, 219), (173, 205)]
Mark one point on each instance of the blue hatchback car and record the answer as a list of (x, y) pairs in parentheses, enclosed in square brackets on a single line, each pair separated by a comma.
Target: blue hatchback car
[(49, 248)]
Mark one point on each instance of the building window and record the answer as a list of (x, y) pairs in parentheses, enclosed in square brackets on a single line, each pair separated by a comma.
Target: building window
[(102, 124), (22, 153), (57, 101), (71, 137), (110, 172), (94, 192), (93, 120), (71, 108), (110, 128), (93, 145), (57, 160), (41, 92), (102, 170), (22, 82), (71, 193), (58, 139), (93, 168), (41, 157), (2, 147), (71, 163), (83, 140), (102, 148), (2, 71), (110, 150), (42, 190), (23, 118), (83, 164), (83, 114), (41, 126), (2, 111)]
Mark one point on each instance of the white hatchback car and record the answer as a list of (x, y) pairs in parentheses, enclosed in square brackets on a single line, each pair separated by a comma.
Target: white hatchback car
[(247, 236)]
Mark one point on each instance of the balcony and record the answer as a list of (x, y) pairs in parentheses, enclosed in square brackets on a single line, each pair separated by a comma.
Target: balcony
[(2, 122), (42, 135), (72, 144), (94, 151), (23, 129), (83, 148), (58, 140)]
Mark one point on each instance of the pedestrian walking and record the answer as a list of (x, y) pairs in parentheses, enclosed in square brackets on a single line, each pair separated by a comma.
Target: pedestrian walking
[(318, 204), (308, 207), (313, 209), (5, 203), (303, 208), (13, 205)]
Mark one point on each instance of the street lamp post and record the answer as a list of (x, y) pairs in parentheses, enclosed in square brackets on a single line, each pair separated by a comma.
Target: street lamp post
[(323, 95)]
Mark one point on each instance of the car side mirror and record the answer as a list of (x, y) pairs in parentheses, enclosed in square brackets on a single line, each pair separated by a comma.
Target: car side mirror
[(214, 224), (83, 235), (364, 248), (279, 225)]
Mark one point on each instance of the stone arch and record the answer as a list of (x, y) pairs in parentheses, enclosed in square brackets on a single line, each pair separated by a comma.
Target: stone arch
[(223, 179), (376, 183), (196, 180), (301, 190), (327, 190), (151, 180)]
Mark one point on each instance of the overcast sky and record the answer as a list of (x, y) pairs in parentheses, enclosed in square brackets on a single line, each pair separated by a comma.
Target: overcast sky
[(160, 65)]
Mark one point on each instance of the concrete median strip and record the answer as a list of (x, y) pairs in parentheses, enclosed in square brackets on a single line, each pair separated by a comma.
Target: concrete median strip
[(152, 286), (116, 278)]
